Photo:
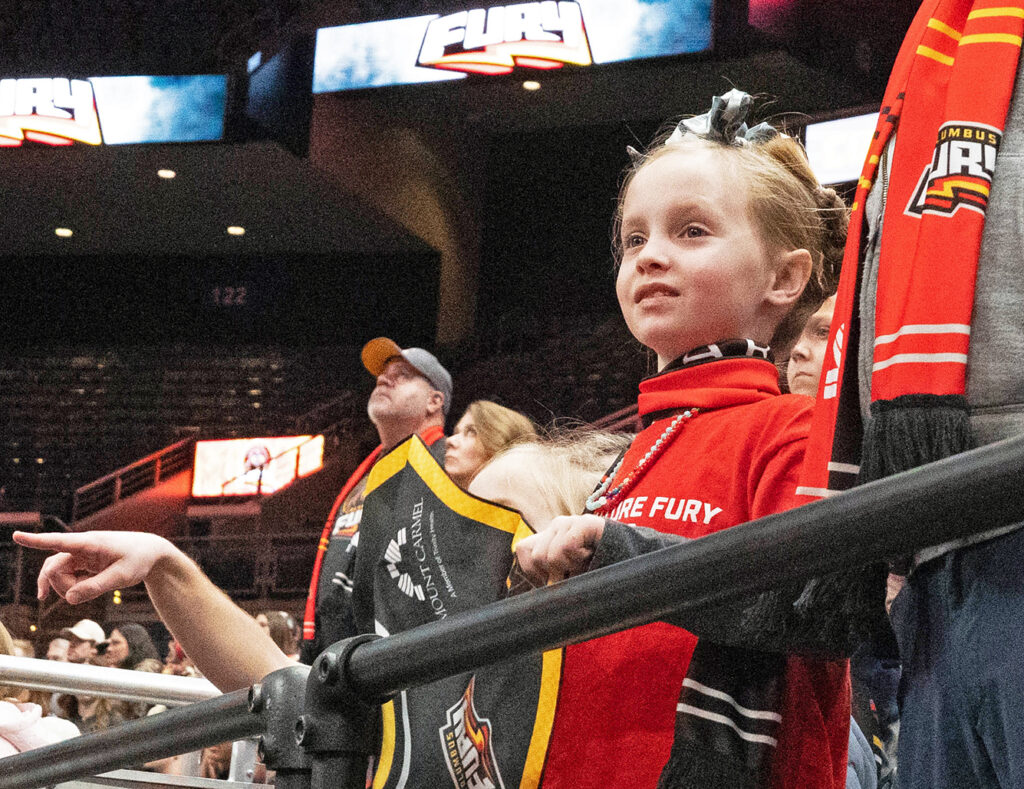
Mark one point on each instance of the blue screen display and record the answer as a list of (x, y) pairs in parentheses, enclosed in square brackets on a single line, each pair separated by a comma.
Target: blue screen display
[(161, 109), (500, 39)]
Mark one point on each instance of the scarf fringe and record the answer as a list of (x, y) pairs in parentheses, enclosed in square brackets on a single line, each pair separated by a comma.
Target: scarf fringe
[(909, 431), (828, 616), (904, 433)]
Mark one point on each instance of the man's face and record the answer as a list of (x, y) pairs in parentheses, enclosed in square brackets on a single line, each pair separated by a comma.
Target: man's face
[(58, 650), (80, 651), (402, 394)]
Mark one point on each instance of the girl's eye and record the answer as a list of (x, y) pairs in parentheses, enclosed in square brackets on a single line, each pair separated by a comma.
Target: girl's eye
[(470, 431), (633, 240), (822, 332), (694, 231)]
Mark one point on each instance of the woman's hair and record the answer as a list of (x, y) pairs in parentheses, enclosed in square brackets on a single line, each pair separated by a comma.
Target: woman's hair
[(140, 645), (562, 470), (281, 626), (6, 648), (787, 204), (6, 642), (150, 665), (497, 427)]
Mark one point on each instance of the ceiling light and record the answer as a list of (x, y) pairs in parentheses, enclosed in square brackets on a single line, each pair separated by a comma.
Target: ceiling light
[(531, 84), (63, 232), (235, 230), (166, 173)]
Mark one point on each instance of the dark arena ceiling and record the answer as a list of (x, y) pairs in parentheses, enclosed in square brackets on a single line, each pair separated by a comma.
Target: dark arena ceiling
[(836, 57)]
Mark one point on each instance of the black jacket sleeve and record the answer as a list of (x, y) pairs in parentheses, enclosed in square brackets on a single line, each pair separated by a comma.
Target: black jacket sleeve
[(774, 621)]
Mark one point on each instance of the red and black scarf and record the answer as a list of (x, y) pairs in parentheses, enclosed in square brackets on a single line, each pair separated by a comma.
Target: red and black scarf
[(948, 95)]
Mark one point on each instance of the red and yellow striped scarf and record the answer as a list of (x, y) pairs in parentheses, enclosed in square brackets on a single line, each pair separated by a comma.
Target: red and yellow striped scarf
[(948, 95)]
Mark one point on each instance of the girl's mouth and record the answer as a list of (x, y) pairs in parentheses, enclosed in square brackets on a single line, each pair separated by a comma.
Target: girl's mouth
[(653, 290)]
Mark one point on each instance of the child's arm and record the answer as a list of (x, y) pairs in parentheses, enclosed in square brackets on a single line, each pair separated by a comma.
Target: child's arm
[(225, 642), (578, 543)]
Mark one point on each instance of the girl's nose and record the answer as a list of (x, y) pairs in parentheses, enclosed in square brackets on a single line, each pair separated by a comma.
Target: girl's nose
[(652, 256)]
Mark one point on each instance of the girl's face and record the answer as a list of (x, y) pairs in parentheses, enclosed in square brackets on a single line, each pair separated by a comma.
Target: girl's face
[(464, 454), (117, 649), (694, 268), (808, 355)]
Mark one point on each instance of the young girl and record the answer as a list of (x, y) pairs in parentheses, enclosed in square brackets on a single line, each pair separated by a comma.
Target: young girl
[(726, 242)]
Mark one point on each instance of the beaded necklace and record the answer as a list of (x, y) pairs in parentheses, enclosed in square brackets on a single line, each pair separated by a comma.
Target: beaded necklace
[(603, 497)]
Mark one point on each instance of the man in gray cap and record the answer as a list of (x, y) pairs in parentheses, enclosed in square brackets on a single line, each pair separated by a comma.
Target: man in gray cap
[(412, 396)]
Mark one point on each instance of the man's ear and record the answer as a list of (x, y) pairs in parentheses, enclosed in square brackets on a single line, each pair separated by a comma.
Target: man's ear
[(435, 404), (792, 271)]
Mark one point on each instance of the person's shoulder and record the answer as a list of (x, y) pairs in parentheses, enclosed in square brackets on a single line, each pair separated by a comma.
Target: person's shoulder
[(784, 408), (791, 405), (781, 419)]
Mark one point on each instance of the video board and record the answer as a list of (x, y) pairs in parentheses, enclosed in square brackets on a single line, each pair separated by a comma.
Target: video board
[(112, 110), (254, 466), (500, 39)]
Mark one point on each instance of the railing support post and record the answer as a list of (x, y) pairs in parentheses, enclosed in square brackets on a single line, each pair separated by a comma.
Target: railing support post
[(337, 725), (278, 699)]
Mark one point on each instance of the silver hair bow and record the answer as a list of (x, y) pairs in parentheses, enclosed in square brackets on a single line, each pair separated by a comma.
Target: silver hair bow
[(725, 122)]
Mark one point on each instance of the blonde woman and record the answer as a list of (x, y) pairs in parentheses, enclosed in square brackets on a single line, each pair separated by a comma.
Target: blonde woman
[(483, 431)]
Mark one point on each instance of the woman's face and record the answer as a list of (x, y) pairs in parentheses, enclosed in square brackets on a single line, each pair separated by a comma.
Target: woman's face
[(117, 649), (464, 454), (808, 355)]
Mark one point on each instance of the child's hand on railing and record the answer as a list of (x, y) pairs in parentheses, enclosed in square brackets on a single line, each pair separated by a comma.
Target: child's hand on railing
[(89, 564), (561, 550)]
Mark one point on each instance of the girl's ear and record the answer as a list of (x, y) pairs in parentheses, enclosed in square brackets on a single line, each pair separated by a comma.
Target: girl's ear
[(792, 271)]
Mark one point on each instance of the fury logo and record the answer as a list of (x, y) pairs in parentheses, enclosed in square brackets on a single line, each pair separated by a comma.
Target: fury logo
[(52, 111), (832, 374), (495, 40), (466, 739), (960, 173)]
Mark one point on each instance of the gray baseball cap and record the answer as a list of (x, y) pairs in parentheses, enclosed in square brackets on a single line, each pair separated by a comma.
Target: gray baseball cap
[(379, 351)]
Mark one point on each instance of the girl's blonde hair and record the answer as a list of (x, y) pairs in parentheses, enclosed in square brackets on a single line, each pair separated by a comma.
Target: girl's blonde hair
[(560, 471), (498, 427), (788, 205)]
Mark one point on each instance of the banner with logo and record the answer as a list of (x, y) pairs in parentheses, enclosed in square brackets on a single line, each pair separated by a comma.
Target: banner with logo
[(432, 550)]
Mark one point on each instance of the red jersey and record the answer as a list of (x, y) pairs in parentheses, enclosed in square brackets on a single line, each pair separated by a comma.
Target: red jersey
[(736, 460)]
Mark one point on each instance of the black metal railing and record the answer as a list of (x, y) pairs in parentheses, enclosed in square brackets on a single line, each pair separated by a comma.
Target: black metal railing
[(315, 729)]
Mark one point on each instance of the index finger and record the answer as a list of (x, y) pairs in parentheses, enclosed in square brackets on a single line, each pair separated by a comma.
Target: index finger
[(47, 541)]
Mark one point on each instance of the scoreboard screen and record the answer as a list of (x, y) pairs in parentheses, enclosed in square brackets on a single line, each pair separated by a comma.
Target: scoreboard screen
[(502, 39)]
